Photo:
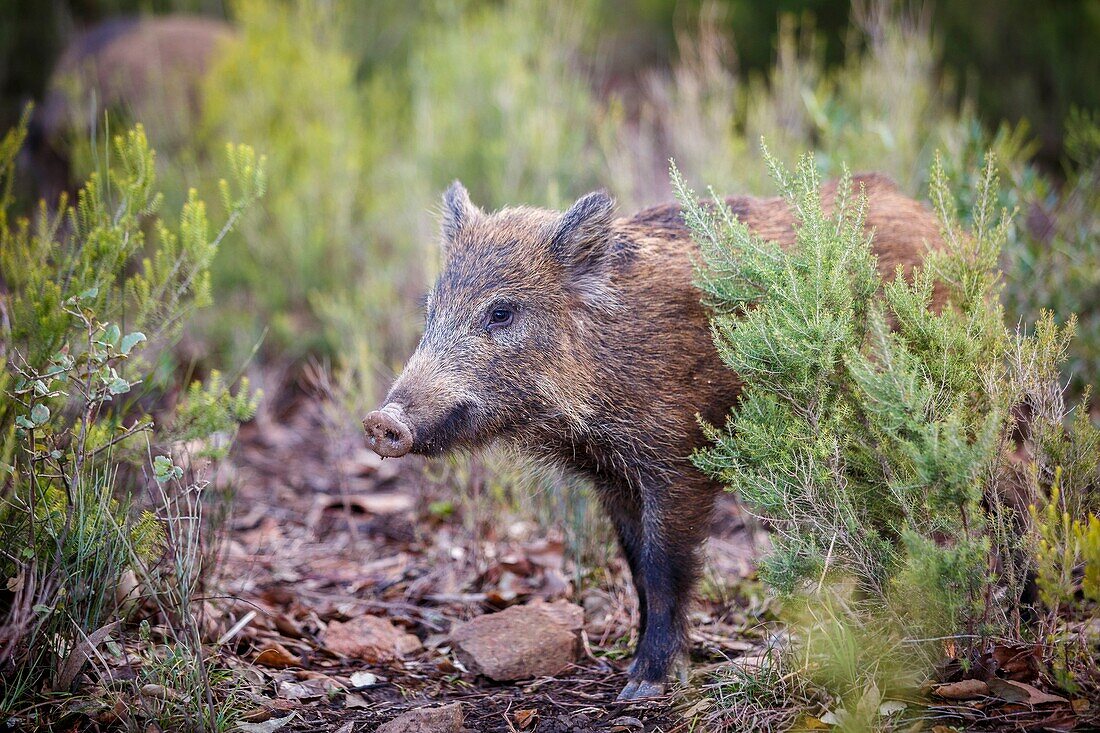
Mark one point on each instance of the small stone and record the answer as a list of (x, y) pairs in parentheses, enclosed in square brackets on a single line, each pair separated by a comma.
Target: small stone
[(444, 719), (370, 638), (521, 642)]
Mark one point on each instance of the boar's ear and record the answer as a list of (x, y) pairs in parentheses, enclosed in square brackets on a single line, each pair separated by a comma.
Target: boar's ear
[(583, 233), (458, 212)]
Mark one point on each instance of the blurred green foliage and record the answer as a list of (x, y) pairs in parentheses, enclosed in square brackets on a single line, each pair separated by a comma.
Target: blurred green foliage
[(289, 83), (1019, 60)]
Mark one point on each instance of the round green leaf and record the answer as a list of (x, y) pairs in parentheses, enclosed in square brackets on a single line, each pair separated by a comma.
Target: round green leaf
[(39, 414), (131, 340)]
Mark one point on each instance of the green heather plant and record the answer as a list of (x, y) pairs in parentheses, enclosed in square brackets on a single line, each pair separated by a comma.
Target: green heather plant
[(97, 514), (880, 456)]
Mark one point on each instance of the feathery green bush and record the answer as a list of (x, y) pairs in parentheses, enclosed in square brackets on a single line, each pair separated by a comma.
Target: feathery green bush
[(882, 457)]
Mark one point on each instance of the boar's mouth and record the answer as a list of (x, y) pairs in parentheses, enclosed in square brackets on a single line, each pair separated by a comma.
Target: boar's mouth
[(452, 430)]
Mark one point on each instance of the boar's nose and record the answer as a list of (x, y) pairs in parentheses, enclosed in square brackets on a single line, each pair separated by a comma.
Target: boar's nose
[(387, 432)]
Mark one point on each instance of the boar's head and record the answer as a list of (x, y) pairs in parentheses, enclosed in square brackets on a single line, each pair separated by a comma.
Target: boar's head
[(506, 350)]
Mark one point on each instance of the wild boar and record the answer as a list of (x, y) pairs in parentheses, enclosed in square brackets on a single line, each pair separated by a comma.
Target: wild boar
[(151, 69), (579, 339)]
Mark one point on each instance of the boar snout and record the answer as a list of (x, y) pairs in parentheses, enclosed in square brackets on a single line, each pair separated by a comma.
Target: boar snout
[(388, 433)]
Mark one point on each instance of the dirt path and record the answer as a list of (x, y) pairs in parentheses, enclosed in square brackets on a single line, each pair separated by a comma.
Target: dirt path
[(325, 533)]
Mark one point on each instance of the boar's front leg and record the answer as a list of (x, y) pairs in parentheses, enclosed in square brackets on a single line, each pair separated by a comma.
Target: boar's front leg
[(668, 563), (625, 513)]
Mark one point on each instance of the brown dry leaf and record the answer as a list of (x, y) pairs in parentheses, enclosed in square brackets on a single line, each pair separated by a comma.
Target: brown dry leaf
[(1018, 662), (276, 656), (391, 502), (257, 715), (526, 718), (160, 692), (81, 653), (286, 626), (305, 690), (1062, 719), (517, 564), (548, 553), (961, 690), (354, 700), (1010, 691), (363, 463), (268, 726), (500, 599), (370, 638)]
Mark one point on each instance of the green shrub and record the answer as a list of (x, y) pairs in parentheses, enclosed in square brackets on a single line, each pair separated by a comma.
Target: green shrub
[(879, 455), (91, 293)]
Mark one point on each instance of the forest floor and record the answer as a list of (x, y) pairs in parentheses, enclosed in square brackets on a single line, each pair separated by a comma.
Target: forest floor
[(327, 540)]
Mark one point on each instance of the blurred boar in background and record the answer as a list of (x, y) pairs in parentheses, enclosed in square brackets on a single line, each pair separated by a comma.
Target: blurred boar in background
[(579, 339), (150, 69)]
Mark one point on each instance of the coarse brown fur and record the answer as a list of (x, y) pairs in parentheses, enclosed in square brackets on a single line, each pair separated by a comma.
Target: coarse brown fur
[(603, 365)]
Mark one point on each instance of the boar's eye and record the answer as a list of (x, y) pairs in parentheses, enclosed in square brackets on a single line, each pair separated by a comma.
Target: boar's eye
[(500, 317)]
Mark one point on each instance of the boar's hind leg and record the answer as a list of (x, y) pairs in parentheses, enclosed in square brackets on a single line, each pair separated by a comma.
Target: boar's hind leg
[(669, 562)]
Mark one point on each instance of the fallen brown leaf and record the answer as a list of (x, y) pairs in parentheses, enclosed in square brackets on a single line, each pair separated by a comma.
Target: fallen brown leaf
[(160, 692), (276, 656), (354, 700), (377, 504), (1018, 662), (626, 723), (305, 690), (286, 626), (961, 690), (370, 638), (1010, 691), (268, 726), (81, 653)]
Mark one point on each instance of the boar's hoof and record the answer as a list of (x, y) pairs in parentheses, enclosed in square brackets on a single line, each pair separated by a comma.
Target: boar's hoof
[(641, 689), (387, 433)]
